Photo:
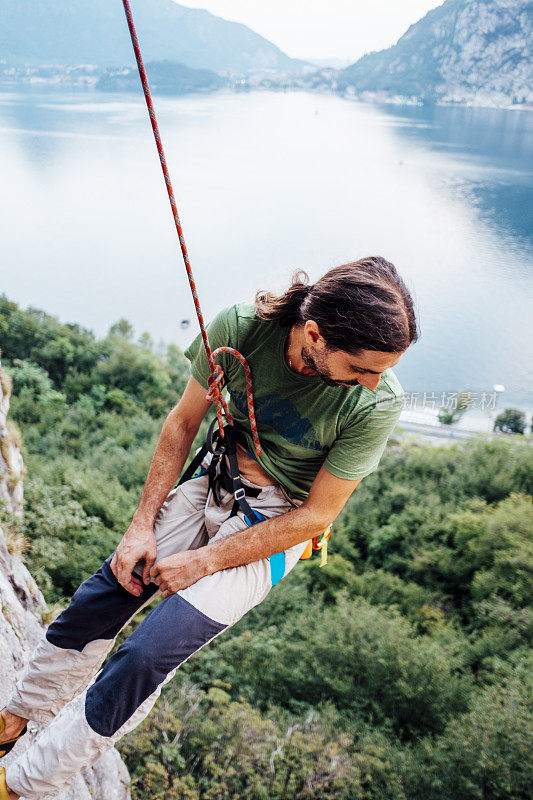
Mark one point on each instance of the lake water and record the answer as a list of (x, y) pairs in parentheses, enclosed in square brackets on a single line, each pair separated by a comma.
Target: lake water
[(266, 183)]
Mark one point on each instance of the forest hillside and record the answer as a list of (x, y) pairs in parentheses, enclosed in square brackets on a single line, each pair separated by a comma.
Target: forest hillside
[(402, 670)]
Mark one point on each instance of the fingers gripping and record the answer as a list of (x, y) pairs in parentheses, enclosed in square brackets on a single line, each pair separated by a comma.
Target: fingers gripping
[(149, 561), (127, 556)]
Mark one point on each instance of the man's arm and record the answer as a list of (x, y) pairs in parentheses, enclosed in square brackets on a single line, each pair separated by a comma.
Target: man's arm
[(326, 499), (173, 446)]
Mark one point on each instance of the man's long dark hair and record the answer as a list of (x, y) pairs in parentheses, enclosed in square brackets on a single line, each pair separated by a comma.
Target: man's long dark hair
[(364, 305)]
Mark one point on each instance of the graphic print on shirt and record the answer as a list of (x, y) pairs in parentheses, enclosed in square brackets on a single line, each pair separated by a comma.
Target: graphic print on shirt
[(282, 416)]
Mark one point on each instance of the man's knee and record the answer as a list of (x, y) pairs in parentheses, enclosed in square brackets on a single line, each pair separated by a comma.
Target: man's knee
[(98, 610), (128, 678), (164, 640)]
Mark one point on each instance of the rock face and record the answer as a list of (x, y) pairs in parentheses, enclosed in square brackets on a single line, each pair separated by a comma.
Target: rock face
[(22, 607), (466, 51), (11, 466)]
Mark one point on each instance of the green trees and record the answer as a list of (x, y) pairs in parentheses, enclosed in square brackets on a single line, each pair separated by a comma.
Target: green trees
[(368, 661), (510, 421), (74, 362), (202, 744), (483, 754), (199, 743), (90, 411), (448, 416)]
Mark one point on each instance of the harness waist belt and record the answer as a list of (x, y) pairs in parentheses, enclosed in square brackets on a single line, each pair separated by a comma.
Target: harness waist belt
[(225, 480)]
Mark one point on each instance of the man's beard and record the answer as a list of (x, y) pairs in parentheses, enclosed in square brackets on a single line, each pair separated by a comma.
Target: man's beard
[(321, 370)]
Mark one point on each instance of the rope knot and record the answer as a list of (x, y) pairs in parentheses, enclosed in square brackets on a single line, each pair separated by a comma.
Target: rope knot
[(215, 382)]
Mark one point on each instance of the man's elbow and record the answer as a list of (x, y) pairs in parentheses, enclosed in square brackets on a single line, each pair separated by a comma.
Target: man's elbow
[(312, 522), (182, 424)]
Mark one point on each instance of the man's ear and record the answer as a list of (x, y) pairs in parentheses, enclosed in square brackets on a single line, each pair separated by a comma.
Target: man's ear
[(312, 331)]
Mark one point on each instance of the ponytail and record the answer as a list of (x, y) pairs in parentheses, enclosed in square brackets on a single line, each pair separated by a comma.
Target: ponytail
[(284, 308)]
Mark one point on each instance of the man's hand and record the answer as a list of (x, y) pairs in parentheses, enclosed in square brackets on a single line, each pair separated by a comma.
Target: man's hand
[(178, 571), (137, 543), (173, 445)]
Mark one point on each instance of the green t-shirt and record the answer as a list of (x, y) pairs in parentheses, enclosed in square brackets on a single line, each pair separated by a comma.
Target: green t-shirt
[(303, 424)]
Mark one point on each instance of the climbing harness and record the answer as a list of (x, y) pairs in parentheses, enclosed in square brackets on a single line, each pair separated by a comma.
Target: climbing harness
[(229, 479), (223, 471), (222, 445)]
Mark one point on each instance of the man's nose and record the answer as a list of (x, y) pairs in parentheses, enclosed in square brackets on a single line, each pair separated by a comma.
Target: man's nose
[(370, 381)]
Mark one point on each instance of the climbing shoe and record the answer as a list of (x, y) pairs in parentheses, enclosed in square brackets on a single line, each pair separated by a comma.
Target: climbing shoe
[(4, 795), (6, 747)]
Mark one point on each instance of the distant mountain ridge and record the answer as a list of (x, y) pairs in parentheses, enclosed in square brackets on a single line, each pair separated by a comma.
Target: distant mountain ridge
[(466, 51), (72, 32)]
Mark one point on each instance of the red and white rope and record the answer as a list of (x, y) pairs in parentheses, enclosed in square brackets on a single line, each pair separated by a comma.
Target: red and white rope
[(216, 379)]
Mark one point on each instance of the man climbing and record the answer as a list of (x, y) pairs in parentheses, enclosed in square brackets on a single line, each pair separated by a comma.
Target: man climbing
[(326, 402)]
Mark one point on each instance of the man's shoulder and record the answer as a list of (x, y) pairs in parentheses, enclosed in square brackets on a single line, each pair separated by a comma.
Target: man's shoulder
[(389, 384), (237, 316), (245, 311), (240, 320)]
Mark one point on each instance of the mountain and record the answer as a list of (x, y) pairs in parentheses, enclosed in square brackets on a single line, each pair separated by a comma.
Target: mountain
[(466, 51), (72, 32), (22, 609)]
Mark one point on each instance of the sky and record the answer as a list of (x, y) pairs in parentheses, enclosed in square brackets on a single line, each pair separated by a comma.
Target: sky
[(322, 29)]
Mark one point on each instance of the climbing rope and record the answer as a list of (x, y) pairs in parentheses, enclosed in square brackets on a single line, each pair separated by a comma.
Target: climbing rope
[(216, 378)]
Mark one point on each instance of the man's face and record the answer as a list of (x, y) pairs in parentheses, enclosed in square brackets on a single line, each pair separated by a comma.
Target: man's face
[(338, 368)]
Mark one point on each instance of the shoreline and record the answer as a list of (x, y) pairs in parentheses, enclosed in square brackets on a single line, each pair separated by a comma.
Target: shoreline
[(241, 86)]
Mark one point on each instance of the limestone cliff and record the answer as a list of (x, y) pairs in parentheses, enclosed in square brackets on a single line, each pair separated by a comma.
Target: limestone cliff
[(11, 466), (22, 608), (465, 51)]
